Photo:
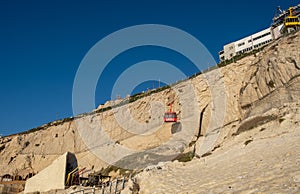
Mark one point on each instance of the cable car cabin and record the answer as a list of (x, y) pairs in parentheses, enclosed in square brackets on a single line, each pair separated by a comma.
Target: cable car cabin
[(291, 20), (170, 117)]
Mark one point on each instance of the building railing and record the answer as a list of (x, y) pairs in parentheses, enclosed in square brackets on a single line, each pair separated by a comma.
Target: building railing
[(111, 187)]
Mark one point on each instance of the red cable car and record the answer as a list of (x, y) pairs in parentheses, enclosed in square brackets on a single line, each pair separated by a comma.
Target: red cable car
[(170, 116)]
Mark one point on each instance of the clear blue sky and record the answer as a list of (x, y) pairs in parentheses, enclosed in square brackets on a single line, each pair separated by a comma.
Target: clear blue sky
[(43, 42)]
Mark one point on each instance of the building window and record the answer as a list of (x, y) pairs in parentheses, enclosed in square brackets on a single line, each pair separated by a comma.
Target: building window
[(247, 49), (241, 44), (261, 36)]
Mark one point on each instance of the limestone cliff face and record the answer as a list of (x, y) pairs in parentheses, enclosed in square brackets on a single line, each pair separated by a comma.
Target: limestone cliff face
[(274, 77), (226, 97)]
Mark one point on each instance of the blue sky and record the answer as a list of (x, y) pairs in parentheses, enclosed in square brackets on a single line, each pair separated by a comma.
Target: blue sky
[(43, 42)]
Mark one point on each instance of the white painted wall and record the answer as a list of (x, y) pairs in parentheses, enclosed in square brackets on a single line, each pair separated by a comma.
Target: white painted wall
[(50, 178), (277, 31), (248, 43)]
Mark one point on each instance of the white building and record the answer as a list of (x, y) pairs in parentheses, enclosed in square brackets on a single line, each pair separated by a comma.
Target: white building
[(246, 44), (258, 39)]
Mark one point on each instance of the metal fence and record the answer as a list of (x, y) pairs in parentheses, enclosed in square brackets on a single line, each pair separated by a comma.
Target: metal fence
[(111, 187)]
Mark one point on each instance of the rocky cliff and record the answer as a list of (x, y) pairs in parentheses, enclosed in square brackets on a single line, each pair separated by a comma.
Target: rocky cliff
[(220, 112), (257, 147)]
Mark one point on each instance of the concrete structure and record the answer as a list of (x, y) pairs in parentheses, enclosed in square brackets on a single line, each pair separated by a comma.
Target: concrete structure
[(246, 44), (277, 31), (52, 177), (281, 14)]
